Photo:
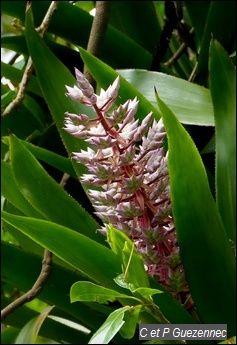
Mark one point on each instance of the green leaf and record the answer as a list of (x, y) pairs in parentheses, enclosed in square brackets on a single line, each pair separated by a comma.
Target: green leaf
[(197, 11), (50, 328), (29, 332), (9, 334), (131, 18), (11, 192), (7, 98), (14, 121), (121, 282), (204, 246), (83, 255), (15, 75), (110, 327), (35, 110), (46, 196), (20, 238), (52, 77), (132, 263), (131, 318), (118, 49), (24, 271), (191, 103), (210, 146), (220, 24), (146, 292), (222, 72), (91, 258), (89, 292), (62, 163)]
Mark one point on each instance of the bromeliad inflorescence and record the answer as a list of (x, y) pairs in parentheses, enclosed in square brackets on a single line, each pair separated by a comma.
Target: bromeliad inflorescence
[(128, 162)]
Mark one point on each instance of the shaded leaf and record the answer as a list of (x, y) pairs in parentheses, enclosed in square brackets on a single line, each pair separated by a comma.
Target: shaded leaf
[(131, 318), (131, 18), (24, 271), (15, 75), (146, 293), (47, 156), (11, 192), (132, 263), (222, 72), (29, 332), (89, 292), (118, 49), (197, 11), (220, 24), (83, 253)]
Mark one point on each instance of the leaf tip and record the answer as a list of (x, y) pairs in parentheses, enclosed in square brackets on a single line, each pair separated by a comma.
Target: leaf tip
[(28, 5)]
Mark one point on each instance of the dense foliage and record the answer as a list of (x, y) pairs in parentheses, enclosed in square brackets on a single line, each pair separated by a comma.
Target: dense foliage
[(177, 59)]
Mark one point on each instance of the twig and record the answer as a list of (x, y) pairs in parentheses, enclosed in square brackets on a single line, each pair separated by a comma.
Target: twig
[(21, 91), (36, 288), (193, 74), (29, 66), (97, 34), (47, 18), (64, 179), (177, 54)]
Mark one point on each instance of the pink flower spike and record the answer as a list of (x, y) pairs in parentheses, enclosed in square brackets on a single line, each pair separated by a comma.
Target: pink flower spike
[(77, 120), (86, 88), (75, 94), (107, 98)]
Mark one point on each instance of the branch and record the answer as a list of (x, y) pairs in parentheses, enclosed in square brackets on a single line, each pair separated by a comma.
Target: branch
[(29, 66), (178, 53), (36, 288), (97, 34), (47, 18)]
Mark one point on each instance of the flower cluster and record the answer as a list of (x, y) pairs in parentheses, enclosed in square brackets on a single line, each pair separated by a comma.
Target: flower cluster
[(128, 162)]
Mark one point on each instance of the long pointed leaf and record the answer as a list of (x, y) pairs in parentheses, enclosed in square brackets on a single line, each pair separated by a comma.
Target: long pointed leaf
[(29, 332), (191, 103), (110, 327), (52, 77), (51, 200), (53, 159), (93, 259), (205, 250), (11, 192), (221, 15), (222, 72), (89, 292)]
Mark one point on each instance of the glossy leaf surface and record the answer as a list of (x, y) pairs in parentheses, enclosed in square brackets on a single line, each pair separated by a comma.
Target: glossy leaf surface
[(109, 328), (29, 332), (89, 292), (83, 253), (204, 246), (46, 195), (222, 72)]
